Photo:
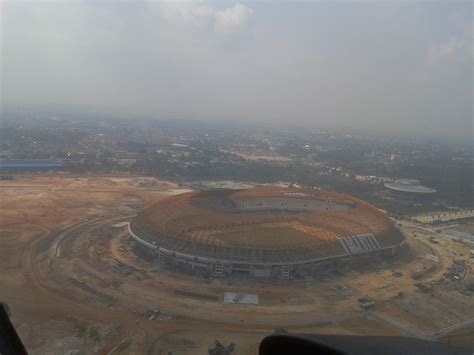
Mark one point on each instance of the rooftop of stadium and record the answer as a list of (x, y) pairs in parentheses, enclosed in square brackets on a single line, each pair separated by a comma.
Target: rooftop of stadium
[(262, 224)]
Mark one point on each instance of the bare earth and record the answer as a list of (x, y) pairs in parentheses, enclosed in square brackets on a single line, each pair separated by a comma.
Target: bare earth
[(64, 265)]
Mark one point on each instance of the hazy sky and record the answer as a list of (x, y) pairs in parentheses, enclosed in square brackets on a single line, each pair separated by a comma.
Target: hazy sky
[(396, 65)]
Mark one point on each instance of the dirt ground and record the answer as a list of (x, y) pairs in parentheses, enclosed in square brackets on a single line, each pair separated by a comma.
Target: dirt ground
[(66, 264)]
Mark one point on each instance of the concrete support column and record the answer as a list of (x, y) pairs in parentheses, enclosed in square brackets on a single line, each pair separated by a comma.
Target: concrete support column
[(218, 269), (285, 272), (161, 258)]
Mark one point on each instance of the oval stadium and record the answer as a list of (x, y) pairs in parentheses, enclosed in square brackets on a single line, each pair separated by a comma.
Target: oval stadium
[(263, 232)]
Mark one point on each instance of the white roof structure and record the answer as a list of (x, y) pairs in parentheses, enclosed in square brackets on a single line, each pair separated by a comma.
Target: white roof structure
[(410, 186)]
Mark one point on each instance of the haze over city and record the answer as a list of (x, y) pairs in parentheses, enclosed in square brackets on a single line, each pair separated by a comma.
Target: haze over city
[(403, 67)]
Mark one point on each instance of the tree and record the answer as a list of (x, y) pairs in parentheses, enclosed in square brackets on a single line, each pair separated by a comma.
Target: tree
[(94, 334), (82, 333), (91, 333)]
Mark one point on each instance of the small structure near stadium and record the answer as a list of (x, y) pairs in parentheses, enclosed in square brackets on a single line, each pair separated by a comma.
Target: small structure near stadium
[(410, 190)]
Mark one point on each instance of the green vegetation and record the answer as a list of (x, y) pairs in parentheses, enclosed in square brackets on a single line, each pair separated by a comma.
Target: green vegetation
[(89, 333)]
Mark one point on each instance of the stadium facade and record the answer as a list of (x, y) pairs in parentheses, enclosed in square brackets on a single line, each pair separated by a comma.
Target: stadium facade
[(263, 232)]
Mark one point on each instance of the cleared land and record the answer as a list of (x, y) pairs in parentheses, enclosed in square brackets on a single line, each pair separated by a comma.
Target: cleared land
[(65, 265)]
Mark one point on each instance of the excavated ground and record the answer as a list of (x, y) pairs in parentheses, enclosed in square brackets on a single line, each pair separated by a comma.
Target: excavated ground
[(66, 263)]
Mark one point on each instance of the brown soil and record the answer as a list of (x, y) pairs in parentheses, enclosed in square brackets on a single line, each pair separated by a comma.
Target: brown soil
[(63, 266)]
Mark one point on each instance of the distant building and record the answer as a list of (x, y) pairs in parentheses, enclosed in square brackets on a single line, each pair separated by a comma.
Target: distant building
[(372, 179), (410, 190), (12, 165)]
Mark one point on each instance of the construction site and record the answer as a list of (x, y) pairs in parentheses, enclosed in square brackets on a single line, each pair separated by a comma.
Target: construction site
[(264, 232), (77, 281)]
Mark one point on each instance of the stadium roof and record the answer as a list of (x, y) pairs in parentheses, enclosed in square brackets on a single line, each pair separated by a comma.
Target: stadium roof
[(262, 224), (410, 186)]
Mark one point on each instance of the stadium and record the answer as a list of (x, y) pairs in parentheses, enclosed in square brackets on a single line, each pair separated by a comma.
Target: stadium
[(263, 232), (410, 190)]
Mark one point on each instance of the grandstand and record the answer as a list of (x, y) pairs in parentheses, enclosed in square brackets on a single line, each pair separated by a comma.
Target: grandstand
[(263, 232)]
